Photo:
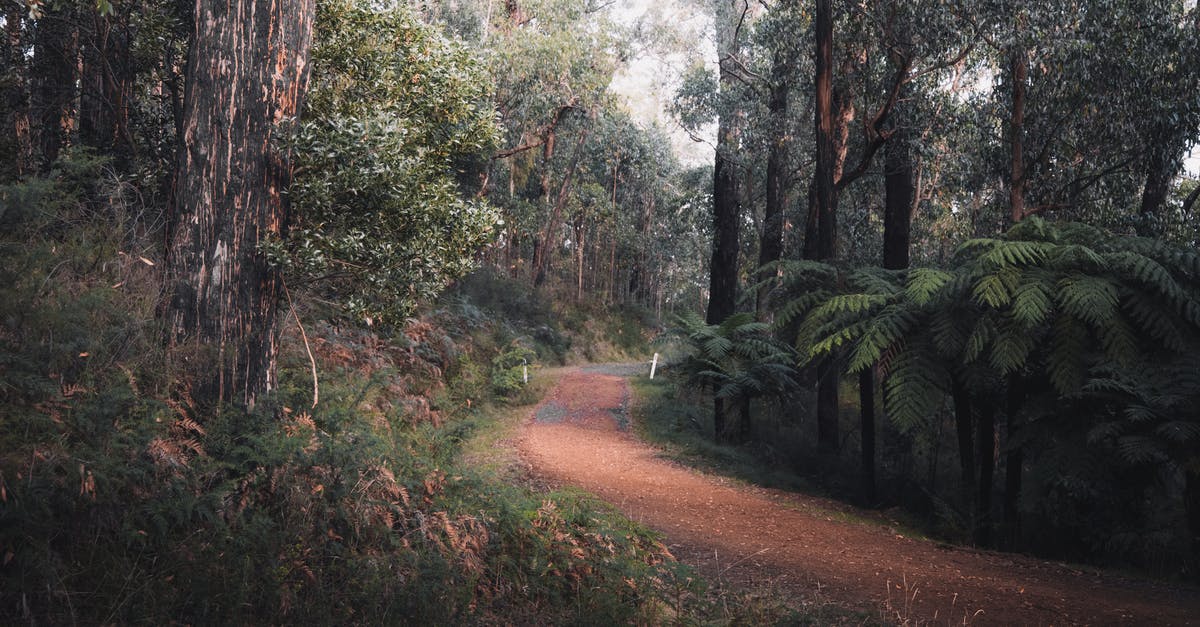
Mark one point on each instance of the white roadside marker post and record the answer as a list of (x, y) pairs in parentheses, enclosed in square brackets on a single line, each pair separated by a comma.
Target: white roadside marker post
[(653, 365), (525, 370)]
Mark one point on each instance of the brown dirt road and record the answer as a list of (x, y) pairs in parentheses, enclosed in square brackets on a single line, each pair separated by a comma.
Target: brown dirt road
[(756, 538)]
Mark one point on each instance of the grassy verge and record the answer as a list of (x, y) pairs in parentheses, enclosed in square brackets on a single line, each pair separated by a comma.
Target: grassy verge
[(673, 593)]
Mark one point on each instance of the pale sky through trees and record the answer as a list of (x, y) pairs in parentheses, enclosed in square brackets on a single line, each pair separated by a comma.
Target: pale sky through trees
[(650, 81)]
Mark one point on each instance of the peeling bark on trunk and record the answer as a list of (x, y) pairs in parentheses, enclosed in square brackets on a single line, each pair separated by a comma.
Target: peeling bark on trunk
[(247, 76), (825, 205)]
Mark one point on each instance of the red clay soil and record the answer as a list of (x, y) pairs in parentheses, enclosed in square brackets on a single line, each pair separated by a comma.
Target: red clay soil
[(755, 539)]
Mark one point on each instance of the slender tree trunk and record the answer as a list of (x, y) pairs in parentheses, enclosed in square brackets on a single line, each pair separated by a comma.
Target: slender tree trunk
[(54, 72), (1192, 493), (771, 245), (106, 86), (16, 96), (963, 422), (986, 451), (866, 396), (744, 425), (723, 279), (247, 75), (1160, 171), (825, 199), (719, 426), (1014, 460), (547, 238), (579, 227), (726, 212)]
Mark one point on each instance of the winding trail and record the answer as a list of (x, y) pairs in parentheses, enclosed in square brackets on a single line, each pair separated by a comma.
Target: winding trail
[(755, 538)]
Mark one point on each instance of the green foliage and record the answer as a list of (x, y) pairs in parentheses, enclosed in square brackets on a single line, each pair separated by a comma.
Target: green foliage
[(393, 109), (355, 511), (509, 369), (736, 358), (1089, 335)]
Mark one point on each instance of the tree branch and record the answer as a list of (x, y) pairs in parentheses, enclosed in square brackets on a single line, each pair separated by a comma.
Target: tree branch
[(876, 135)]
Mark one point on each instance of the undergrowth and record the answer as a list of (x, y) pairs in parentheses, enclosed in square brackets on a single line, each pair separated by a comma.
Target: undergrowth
[(122, 500)]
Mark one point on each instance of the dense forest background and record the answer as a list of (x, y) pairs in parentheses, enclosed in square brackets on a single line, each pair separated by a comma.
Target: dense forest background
[(264, 266)]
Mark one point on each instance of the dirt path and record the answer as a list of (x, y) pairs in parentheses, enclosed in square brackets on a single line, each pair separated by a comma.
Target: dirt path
[(758, 538)]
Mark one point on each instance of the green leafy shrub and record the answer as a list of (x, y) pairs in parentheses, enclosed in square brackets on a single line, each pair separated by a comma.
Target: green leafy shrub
[(509, 369), (393, 105)]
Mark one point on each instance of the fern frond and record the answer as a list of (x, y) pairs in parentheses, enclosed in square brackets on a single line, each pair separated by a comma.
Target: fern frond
[(1032, 303), (1014, 253), (1011, 348), (1152, 318), (995, 289), (1139, 449), (883, 332), (1065, 364), (923, 283), (1120, 345), (1179, 431), (1092, 299), (914, 388), (977, 341)]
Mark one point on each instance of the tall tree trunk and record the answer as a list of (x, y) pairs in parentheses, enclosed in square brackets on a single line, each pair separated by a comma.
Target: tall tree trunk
[(1014, 460), (771, 245), (54, 72), (986, 452), (726, 213), (745, 428), (723, 270), (963, 422), (580, 223), (866, 396), (719, 425), (247, 74), (825, 203), (1162, 163)]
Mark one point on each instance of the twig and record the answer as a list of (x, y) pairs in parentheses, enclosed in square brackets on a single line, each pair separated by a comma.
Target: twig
[(307, 348)]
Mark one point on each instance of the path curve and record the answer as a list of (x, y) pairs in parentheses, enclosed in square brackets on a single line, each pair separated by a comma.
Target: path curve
[(760, 538)]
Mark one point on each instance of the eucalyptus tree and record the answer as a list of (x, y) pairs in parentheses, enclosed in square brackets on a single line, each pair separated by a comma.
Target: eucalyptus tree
[(551, 62), (247, 75), (729, 17), (1097, 104)]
